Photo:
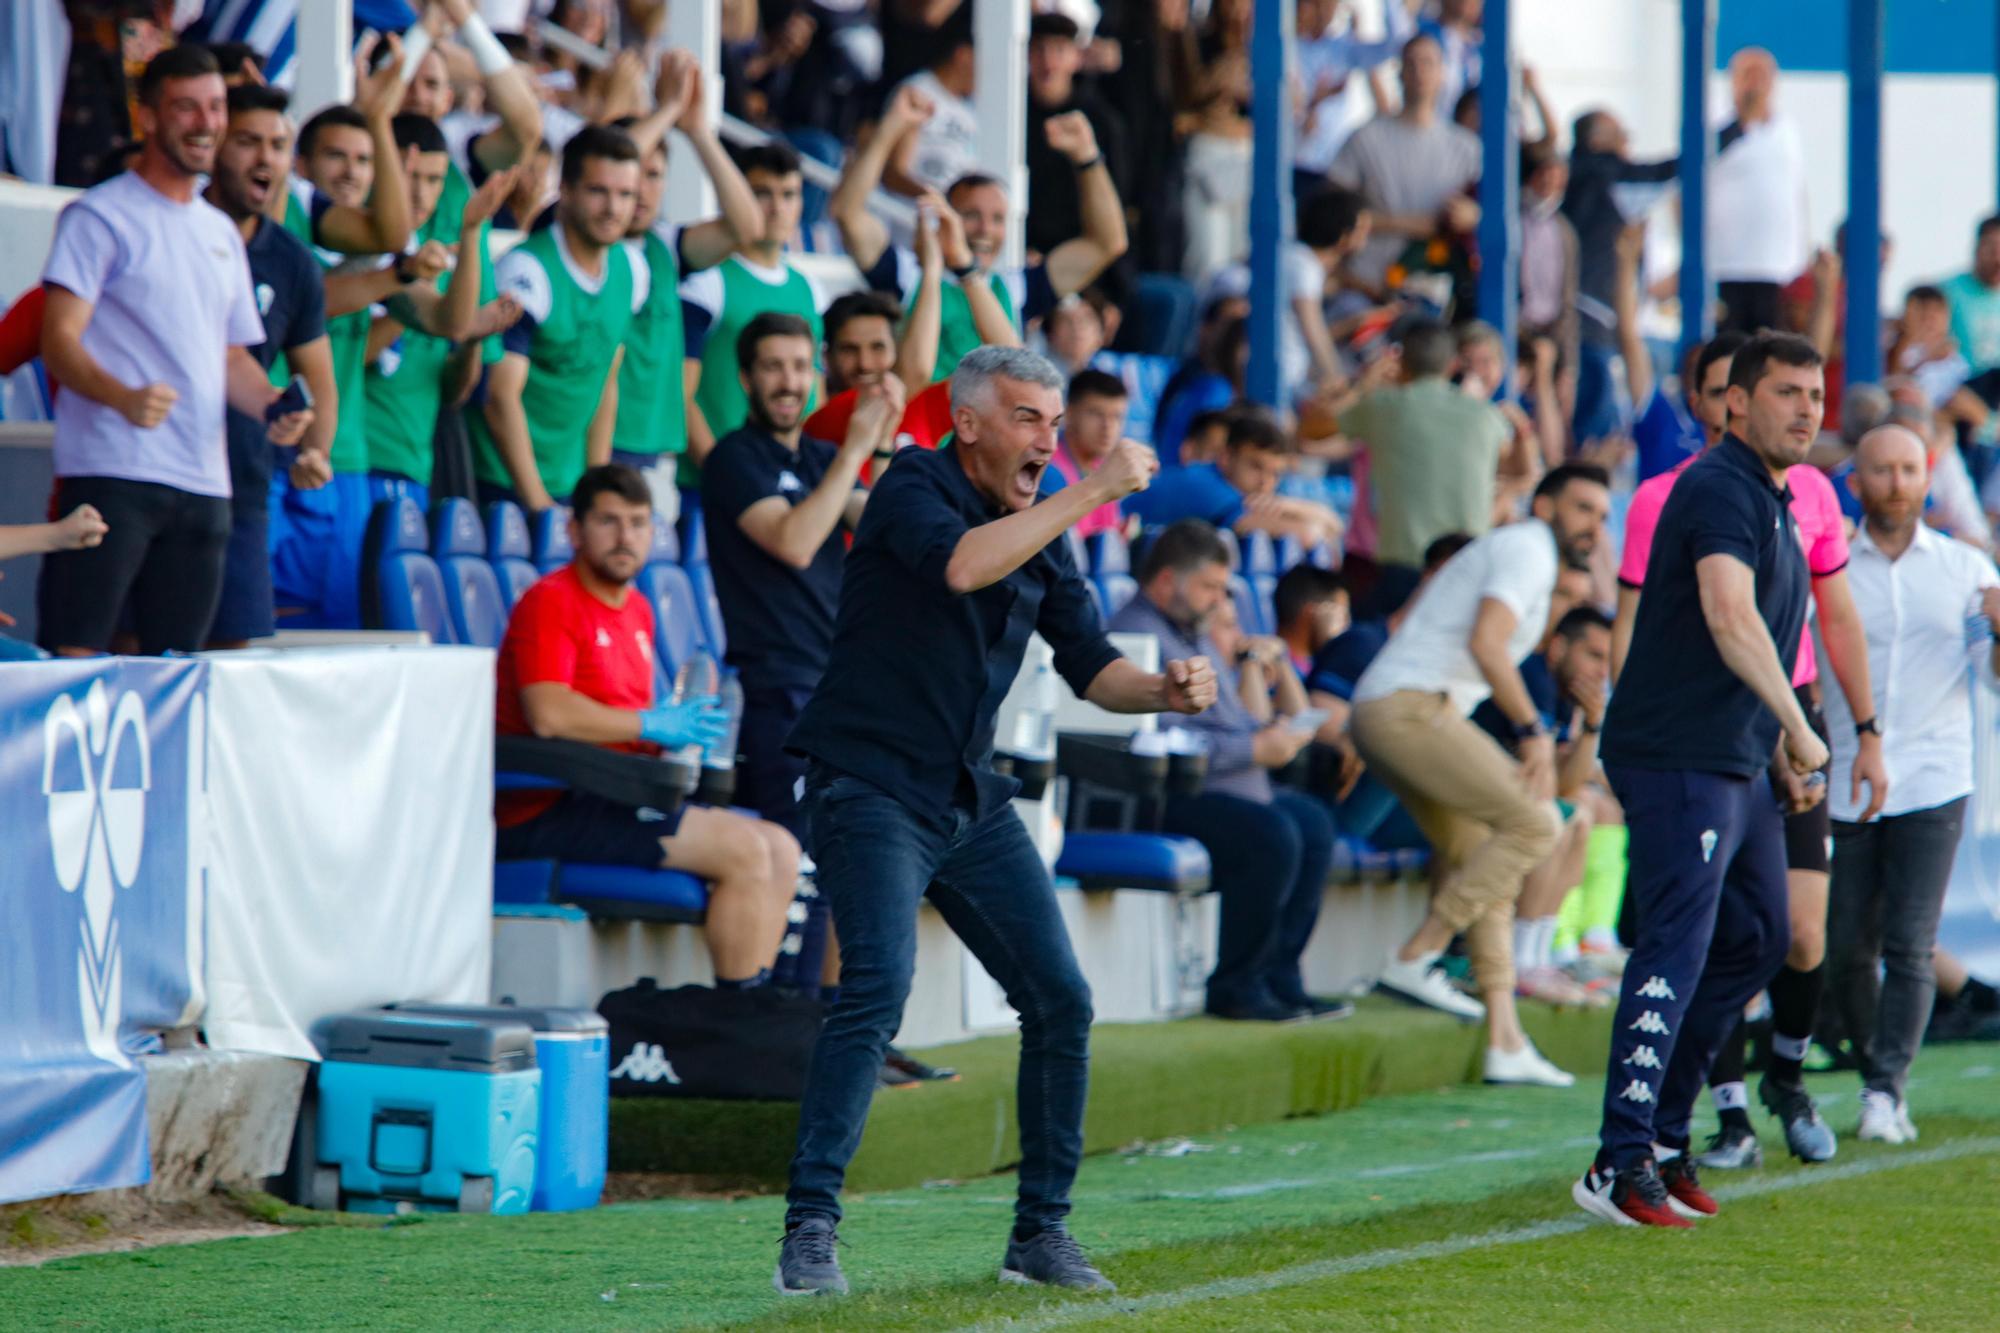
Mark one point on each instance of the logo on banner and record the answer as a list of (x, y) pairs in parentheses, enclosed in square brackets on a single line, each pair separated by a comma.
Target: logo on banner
[(97, 834)]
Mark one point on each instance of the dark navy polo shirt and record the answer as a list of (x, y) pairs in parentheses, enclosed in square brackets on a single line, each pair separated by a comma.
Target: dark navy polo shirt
[(291, 298), (778, 619), (917, 673), (1555, 711), (1338, 665), (1677, 705)]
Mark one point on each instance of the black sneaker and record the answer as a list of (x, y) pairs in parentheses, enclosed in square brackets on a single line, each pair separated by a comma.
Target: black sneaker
[(1052, 1258), (1809, 1137), (807, 1264), (1732, 1148), (916, 1069), (1319, 1006)]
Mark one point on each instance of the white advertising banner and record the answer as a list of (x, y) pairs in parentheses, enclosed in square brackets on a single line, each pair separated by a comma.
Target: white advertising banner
[(351, 826)]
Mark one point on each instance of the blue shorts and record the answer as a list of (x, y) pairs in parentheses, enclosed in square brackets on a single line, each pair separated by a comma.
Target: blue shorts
[(316, 539), (245, 609)]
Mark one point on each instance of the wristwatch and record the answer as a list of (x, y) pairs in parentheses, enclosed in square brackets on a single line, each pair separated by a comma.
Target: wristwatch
[(1873, 726), (1527, 731), (1593, 728)]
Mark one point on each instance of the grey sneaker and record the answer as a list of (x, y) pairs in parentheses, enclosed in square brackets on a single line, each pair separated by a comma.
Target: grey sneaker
[(1809, 1137), (807, 1264), (1051, 1258), (1731, 1149)]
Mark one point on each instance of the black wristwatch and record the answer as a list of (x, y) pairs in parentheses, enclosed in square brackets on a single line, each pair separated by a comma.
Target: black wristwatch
[(962, 272), (402, 268), (1527, 731), (1593, 728), (1872, 727), (1082, 167)]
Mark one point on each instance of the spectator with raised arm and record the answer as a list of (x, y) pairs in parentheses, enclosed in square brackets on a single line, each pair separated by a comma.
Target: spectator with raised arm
[(509, 124), (148, 324), (1241, 491)]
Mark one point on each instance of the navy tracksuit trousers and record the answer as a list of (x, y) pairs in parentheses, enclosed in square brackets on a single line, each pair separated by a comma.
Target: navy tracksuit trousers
[(1707, 884)]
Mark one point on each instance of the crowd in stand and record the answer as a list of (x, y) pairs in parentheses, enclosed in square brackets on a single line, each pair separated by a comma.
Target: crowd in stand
[(260, 330)]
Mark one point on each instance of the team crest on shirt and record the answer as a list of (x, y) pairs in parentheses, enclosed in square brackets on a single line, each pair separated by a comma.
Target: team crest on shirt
[(645, 643), (264, 298), (603, 637), (789, 483)]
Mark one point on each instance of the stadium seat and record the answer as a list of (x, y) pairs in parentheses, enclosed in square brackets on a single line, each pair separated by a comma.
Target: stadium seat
[(1090, 586), (1250, 613), (1111, 820), (603, 891), (1260, 555), (551, 539), (1287, 552), (1109, 553), (1145, 378), (1229, 539), (666, 547), (1116, 590), (694, 537), (1134, 861), (1265, 587), (708, 608), (471, 589), (1167, 310), (407, 589), (507, 550), (677, 632)]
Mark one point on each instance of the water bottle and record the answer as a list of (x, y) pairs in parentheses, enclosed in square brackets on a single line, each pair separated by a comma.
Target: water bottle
[(1034, 724), (696, 678), (723, 756)]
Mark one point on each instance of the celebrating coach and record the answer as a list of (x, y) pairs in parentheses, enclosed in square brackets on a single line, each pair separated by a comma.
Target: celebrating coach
[(954, 565)]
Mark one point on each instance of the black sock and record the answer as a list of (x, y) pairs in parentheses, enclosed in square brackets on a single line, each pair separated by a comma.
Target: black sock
[(1979, 997), (1025, 1231), (761, 977), (1794, 1002)]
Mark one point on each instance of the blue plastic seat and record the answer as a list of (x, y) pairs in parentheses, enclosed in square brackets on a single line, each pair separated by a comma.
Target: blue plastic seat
[(1168, 306), (708, 607), (1134, 861), (407, 590), (607, 891), (551, 539), (677, 631), (508, 550), (1109, 553), (1253, 618), (1287, 552), (1229, 540), (471, 589), (1260, 555), (694, 536), (666, 547), (1145, 378), (1116, 590), (1265, 588)]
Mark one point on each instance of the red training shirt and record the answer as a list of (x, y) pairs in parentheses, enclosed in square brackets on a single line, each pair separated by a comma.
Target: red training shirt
[(926, 421)]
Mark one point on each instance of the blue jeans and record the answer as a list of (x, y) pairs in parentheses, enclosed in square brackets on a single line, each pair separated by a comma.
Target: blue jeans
[(1270, 863), (877, 859), (1713, 922)]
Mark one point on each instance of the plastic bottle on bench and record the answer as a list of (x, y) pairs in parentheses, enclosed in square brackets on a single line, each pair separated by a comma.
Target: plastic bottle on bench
[(697, 677), (724, 754)]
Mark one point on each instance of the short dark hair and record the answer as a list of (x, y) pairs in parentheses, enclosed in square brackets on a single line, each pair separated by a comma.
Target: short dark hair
[(339, 115), (1443, 549), (595, 141), (1535, 156), (774, 157), (608, 479), (418, 132), (972, 180), (1583, 128), (1060, 26), (1254, 427), (1924, 291), (1719, 348), (768, 324), (188, 61), (1302, 585), (1183, 546), (1096, 384), (1428, 348), (1986, 224), (1579, 619), (1754, 358), (1327, 216), (229, 57), (247, 97), (859, 305), (1201, 423), (1557, 479)]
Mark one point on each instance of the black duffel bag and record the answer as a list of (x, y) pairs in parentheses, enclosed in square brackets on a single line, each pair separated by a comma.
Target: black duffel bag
[(697, 1042)]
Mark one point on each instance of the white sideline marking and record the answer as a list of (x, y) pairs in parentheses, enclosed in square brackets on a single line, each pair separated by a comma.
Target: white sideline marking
[(1086, 1311)]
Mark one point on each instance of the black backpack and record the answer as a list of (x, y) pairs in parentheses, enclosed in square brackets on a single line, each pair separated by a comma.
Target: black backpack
[(697, 1042)]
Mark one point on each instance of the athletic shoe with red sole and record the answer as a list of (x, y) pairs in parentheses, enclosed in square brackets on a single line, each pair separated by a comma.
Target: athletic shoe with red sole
[(1684, 1192), (1634, 1197)]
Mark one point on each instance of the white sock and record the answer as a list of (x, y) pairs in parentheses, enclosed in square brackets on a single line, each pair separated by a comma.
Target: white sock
[(1545, 945), (1526, 934), (1730, 1097)]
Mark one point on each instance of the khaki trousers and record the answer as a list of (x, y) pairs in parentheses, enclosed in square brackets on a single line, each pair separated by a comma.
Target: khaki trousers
[(1465, 793)]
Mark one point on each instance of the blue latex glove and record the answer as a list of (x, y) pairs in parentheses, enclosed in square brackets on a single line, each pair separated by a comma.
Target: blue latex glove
[(697, 721)]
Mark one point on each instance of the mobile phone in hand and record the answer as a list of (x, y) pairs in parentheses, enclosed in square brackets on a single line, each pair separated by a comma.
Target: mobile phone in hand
[(296, 398)]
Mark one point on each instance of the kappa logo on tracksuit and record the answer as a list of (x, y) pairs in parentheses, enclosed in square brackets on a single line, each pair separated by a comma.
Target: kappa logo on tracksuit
[(1650, 1023), (1656, 988), (1643, 1057), (1638, 1091)]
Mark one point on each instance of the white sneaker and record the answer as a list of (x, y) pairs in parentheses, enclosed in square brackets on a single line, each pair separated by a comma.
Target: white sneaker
[(1423, 982), (1903, 1120), (1526, 1065), (1879, 1121)]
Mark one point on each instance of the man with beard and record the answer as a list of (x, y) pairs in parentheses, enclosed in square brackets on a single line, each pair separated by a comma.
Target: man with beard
[(250, 168), (577, 664), (1692, 728), (149, 319), (1490, 816), (956, 552), (552, 401)]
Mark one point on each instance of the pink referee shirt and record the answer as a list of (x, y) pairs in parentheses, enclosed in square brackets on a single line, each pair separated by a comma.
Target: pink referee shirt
[(1815, 508)]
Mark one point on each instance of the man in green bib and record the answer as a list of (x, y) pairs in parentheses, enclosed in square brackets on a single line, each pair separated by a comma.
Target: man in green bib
[(552, 401), (657, 378), (720, 302), (1025, 294)]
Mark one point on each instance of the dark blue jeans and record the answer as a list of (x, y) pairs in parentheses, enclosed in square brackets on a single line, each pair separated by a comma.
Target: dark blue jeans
[(877, 859), (1269, 864), (1713, 922)]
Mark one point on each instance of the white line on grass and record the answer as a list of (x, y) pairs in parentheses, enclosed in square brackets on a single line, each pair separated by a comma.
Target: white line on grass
[(1319, 1270)]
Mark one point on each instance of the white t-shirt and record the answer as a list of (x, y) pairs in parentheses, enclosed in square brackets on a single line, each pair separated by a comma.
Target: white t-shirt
[(1514, 565), (1757, 205), (170, 284), (947, 143)]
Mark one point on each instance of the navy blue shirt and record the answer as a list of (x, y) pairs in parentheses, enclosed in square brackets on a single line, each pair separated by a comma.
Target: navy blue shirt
[(291, 296), (1678, 705), (778, 619), (1340, 661), (1199, 491), (918, 672), (1555, 711)]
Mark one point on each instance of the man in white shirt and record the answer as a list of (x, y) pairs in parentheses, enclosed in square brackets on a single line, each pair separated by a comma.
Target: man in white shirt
[(1490, 817), (1757, 229), (1920, 595)]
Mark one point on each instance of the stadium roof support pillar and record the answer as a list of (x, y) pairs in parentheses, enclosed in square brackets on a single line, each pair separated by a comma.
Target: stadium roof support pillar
[(1499, 183), (695, 25), (1697, 147), (1865, 22), (324, 69), (1000, 98), (1270, 193)]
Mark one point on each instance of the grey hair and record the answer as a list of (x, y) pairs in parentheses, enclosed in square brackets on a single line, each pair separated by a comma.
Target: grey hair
[(973, 379), (1862, 408)]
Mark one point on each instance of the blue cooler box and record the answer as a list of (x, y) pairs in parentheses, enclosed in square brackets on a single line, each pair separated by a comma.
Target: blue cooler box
[(426, 1111), (573, 1050)]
